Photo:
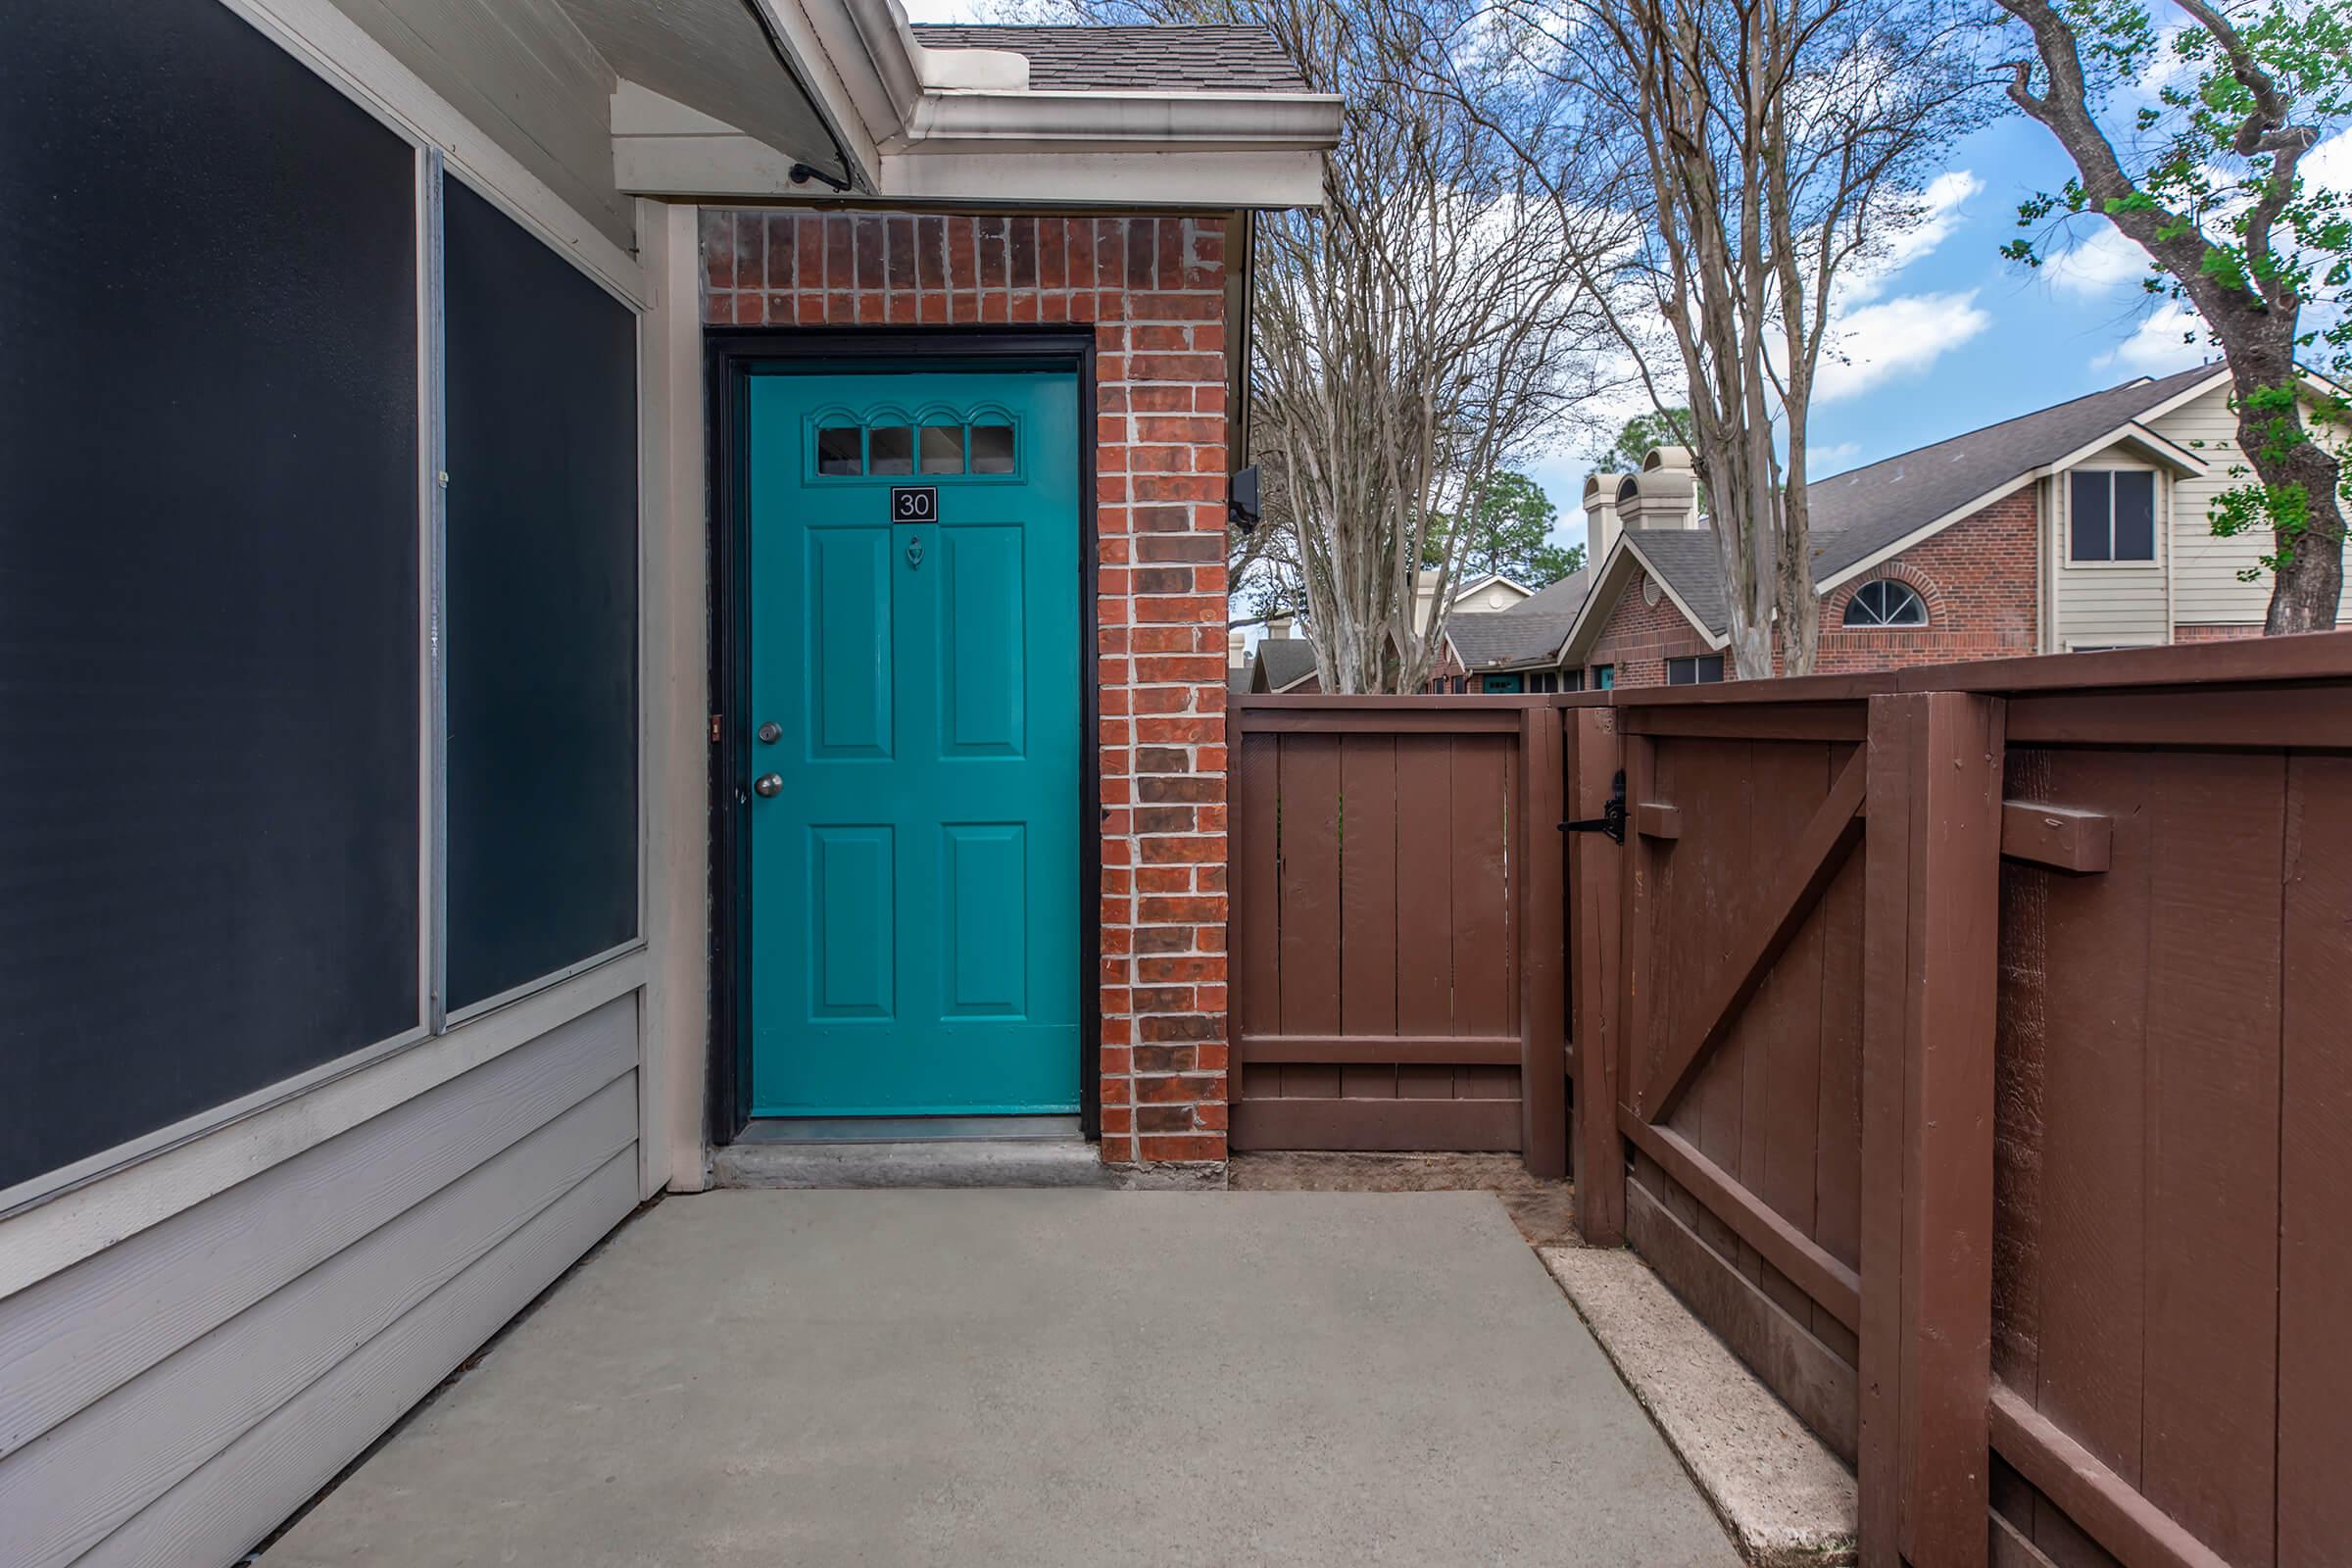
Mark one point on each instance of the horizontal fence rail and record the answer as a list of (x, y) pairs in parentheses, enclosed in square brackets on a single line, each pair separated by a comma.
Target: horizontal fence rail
[(1967, 1045)]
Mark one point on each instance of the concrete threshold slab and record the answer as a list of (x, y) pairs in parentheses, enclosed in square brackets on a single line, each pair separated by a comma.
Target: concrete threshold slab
[(1787, 1499), (967, 1162)]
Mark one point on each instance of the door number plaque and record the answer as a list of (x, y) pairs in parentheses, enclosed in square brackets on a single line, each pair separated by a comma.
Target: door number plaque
[(914, 503)]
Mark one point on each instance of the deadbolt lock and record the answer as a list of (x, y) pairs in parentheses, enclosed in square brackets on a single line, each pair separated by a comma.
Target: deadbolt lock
[(770, 733)]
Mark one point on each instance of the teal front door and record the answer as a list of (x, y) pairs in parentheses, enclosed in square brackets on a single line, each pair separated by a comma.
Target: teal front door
[(912, 942)]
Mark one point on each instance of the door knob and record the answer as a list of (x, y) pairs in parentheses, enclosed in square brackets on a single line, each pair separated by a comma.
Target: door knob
[(768, 785)]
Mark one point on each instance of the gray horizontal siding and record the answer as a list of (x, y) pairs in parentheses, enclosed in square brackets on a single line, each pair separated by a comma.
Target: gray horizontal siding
[(168, 1392)]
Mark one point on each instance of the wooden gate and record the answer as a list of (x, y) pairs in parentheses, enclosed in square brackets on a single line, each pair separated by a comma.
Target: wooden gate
[(1398, 959), (1973, 1063)]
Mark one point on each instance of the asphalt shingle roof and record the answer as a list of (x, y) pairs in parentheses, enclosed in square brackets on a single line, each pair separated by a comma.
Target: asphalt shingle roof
[(1860, 513), (1281, 661), (1684, 559), (1086, 59), (1563, 597), (1488, 637)]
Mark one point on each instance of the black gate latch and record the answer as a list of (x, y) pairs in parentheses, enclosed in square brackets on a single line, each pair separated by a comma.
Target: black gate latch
[(1611, 820)]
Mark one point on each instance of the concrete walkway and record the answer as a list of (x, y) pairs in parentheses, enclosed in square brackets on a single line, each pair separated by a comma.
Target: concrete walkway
[(1035, 1378)]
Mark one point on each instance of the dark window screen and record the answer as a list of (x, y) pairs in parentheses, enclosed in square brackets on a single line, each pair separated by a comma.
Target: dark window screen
[(2092, 516), (209, 671), (2134, 515), (541, 566)]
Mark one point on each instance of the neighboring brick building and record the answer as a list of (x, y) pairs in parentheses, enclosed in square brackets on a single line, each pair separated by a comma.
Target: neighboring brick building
[(2079, 527)]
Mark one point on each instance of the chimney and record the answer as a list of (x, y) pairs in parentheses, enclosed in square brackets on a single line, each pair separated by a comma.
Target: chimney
[(1237, 648), (1669, 488), (1601, 524), (1279, 628)]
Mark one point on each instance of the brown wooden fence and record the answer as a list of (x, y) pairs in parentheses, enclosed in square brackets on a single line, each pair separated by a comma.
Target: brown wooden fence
[(1398, 969), (1972, 1048)]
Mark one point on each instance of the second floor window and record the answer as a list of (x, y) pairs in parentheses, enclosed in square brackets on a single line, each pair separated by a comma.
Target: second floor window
[(2114, 515)]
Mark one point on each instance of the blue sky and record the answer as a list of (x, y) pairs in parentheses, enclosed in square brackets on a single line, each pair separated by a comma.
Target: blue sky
[(1955, 337), (1949, 336)]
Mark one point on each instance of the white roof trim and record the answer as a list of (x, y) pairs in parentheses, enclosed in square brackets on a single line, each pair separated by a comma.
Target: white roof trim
[(917, 107)]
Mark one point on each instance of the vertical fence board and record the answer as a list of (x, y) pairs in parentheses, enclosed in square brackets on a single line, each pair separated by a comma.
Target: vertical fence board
[(2092, 1230), (1256, 886), (1310, 903), (2315, 1164), (1838, 1155), (2218, 826), (1425, 883), (1543, 945), (1483, 927), (1595, 868), (1638, 897), (1781, 1119), (1933, 841), (1368, 903)]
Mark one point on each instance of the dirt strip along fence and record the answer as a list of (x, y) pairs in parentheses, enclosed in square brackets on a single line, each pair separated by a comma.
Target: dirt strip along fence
[(1970, 1046)]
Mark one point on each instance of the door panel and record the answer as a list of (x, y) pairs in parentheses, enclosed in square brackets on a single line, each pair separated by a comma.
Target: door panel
[(913, 919)]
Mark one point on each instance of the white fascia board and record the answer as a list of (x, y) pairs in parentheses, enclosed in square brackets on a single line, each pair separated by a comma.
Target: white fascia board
[(723, 164), (1211, 181), (1304, 121)]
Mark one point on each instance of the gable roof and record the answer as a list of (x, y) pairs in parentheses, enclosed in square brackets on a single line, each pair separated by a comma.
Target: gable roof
[(1282, 662), (1485, 638), (1866, 513), (1087, 59), (1862, 512), (1528, 632)]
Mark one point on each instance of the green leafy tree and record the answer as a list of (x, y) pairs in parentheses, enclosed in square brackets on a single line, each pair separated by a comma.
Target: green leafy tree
[(2214, 192), (1669, 427), (1509, 535)]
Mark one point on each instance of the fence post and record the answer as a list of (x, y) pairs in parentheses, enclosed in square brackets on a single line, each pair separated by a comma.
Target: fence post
[(1932, 907), (1596, 866), (1542, 946)]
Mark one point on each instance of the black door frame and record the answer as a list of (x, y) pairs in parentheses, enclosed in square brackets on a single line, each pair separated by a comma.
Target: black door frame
[(732, 356)]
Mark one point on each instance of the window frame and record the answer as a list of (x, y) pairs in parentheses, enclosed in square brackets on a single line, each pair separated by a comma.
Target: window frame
[(1846, 617), (399, 101), (2159, 499), (1698, 664)]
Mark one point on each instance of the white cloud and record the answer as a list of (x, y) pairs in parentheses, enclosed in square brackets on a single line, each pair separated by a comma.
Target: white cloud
[(1819, 459), (1895, 337), (2098, 263), (1866, 278), (2170, 339)]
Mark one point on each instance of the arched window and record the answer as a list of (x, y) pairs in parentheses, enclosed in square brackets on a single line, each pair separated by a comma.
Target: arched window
[(1885, 603)]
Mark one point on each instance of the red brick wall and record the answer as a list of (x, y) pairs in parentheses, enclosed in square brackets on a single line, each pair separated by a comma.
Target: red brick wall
[(1639, 638), (1154, 290), (2215, 634), (1980, 580)]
